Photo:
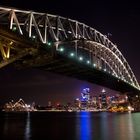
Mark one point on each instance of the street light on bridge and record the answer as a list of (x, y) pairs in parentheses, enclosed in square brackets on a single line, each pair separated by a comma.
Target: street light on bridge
[(49, 43), (14, 28), (88, 62), (72, 54), (61, 49), (81, 58)]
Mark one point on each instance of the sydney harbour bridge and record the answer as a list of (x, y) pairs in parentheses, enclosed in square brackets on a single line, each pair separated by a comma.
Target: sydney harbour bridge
[(65, 46)]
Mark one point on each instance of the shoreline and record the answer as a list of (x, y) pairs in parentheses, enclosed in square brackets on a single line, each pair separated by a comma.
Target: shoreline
[(95, 111)]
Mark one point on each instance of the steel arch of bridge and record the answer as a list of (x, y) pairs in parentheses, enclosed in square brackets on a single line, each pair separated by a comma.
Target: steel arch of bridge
[(103, 54)]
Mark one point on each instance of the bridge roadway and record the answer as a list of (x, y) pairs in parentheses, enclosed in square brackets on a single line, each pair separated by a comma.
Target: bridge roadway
[(50, 60)]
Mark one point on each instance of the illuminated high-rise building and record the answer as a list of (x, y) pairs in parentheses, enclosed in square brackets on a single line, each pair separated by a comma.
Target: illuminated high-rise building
[(85, 94), (103, 98), (85, 100)]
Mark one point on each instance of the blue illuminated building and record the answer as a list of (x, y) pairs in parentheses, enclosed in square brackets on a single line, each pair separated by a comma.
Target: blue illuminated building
[(85, 94), (85, 100)]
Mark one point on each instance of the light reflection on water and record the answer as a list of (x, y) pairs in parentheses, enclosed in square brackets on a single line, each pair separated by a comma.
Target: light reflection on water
[(28, 128), (125, 127), (116, 127), (70, 126), (105, 126), (5, 130), (84, 127)]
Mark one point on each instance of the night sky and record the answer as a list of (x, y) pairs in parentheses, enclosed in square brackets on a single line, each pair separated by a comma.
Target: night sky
[(122, 20)]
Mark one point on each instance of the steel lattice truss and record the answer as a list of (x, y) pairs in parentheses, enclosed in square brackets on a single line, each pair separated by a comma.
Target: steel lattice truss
[(103, 54)]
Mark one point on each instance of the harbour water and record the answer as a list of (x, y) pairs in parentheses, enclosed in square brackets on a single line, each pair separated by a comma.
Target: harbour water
[(69, 126)]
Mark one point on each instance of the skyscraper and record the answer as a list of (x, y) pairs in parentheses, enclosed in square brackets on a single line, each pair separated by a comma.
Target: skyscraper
[(85, 94)]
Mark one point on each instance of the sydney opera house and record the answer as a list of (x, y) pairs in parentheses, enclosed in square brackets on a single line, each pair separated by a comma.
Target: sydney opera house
[(20, 105)]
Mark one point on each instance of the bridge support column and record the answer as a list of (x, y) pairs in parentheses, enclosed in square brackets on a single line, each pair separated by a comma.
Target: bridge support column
[(54, 49), (5, 49), (76, 49)]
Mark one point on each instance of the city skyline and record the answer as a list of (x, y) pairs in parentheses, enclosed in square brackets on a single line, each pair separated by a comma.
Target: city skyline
[(121, 24), (35, 86)]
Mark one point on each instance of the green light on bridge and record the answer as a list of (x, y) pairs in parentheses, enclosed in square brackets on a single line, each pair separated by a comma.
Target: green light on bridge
[(61, 49), (33, 36), (72, 54), (94, 65), (88, 62), (49, 43), (81, 58), (14, 28)]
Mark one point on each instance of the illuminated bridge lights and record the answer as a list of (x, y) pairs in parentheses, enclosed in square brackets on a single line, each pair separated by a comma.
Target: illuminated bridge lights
[(88, 62), (49, 43), (61, 34), (120, 78), (94, 65), (14, 28), (100, 68), (81, 58), (61, 49), (131, 84), (33, 37), (113, 74), (72, 54), (11, 43)]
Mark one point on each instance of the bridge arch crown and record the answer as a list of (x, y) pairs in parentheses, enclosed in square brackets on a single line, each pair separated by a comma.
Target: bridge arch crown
[(101, 53)]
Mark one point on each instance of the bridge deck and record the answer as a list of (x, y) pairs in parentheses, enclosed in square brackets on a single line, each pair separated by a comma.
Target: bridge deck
[(69, 67), (43, 59)]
